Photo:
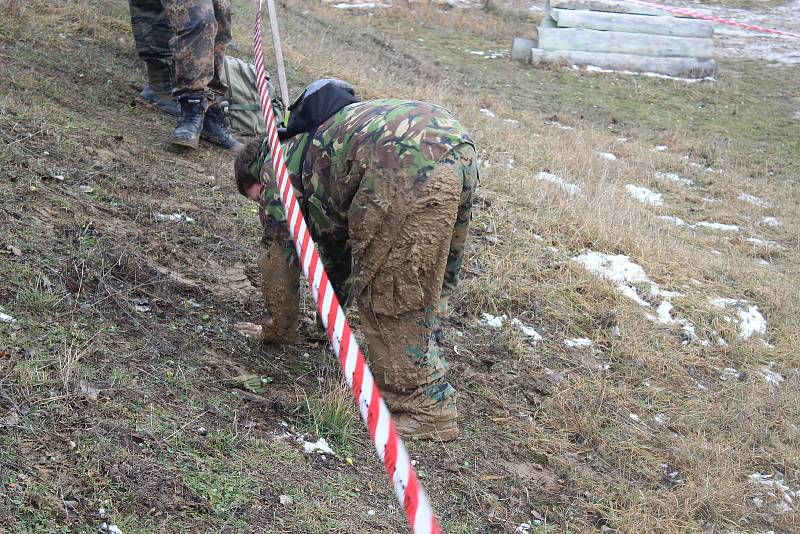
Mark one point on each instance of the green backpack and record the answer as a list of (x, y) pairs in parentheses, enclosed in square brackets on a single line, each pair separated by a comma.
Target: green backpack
[(244, 108)]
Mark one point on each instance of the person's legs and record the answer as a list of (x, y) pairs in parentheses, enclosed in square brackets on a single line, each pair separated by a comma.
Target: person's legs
[(202, 32), (151, 34), (465, 160), (192, 45), (399, 309), (222, 14)]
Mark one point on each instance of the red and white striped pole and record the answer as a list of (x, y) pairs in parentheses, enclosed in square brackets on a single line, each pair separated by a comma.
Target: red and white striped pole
[(373, 410)]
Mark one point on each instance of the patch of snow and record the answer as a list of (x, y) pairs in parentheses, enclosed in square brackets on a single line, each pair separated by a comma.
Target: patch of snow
[(633, 417), (524, 527), (4, 318), (674, 177), (644, 195), (622, 139), (492, 321), (730, 373), (510, 164), (489, 113), (722, 302), (578, 342), (677, 221), (511, 121), (624, 274), (361, 5), (770, 221), (660, 148), (559, 125), (784, 493), (660, 418), (321, 446), (178, 216), (618, 269), (594, 68), (754, 200), (114, 529), (572, 189), (772, 377), (527, 330), (719, 226), (607, 156), (764, 242), (751, 322)]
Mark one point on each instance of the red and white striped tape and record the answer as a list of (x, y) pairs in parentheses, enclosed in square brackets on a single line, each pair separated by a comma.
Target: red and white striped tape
[(695, 15), (373, 410)]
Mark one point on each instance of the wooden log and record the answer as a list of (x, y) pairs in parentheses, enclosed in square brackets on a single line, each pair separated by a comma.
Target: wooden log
[(624, 43), (679, 67), (611, 6), (521, 49), (620, 22)]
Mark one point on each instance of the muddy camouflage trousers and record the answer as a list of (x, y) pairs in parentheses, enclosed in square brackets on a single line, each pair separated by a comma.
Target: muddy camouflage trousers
[(195, 33), (402, 307), (402, 304)]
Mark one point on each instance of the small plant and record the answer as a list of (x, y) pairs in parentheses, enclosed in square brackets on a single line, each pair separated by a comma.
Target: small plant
[(329, 414), (38, 297)]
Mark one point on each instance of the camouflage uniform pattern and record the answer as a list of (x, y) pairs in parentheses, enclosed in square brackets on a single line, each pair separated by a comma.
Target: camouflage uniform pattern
[(386, 188), (202, 31), (151, 33)]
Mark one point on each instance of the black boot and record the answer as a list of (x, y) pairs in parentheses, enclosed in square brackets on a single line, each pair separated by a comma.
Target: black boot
[(190, 122), (216, 131), (158, 91)]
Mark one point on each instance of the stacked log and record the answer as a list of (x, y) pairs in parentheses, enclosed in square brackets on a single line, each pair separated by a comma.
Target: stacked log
[(622, 37)]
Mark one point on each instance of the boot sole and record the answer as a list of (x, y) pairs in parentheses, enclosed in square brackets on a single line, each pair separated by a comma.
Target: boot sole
[(185, 142), (155, 107)]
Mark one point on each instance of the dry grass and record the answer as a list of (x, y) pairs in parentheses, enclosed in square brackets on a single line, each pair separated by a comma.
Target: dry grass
[(639, 433)]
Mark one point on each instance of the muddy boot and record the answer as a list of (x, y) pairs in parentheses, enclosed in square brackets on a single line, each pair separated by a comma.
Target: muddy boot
[(216, 132), (158, 91), (428, 413), (190, 121), (423, 426)]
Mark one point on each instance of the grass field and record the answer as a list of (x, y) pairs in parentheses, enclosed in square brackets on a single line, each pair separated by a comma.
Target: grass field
[(127, 399)]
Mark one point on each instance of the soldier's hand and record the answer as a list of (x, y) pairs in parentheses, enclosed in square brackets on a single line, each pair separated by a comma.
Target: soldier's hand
[(267, 332), (250, 330)]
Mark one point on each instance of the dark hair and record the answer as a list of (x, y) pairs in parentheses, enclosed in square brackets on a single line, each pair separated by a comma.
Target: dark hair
[(242, 167)]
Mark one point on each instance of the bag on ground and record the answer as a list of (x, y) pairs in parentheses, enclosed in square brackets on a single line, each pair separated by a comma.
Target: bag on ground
[(244, 108)]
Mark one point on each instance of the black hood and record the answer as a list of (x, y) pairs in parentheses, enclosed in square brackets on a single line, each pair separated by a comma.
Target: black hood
[(318, 102)]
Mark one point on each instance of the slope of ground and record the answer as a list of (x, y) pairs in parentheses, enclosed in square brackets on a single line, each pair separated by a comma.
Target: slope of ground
[(648, 404)]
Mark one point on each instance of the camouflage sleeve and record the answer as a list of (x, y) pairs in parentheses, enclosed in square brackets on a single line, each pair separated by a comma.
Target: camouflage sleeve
[(280, 270), (271, 212)]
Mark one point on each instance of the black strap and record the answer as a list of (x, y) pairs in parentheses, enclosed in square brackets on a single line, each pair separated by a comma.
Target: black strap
[(244, 107)]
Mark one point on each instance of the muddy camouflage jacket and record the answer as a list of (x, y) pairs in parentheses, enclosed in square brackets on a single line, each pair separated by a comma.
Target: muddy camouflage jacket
[(357, 148)]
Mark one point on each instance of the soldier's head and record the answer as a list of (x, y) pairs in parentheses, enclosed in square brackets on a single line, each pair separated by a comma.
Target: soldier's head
[(247, 168)]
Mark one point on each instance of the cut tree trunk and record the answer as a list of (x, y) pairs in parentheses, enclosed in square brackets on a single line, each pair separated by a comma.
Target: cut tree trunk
[(624, 43), (618, 22), (680, 67)]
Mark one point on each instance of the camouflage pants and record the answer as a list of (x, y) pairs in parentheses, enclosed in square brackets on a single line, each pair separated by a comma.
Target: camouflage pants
[(202, 33), (151, 31), (402, 305)]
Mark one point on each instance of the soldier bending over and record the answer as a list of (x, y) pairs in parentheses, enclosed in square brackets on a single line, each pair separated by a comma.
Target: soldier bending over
[(386, 187)]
